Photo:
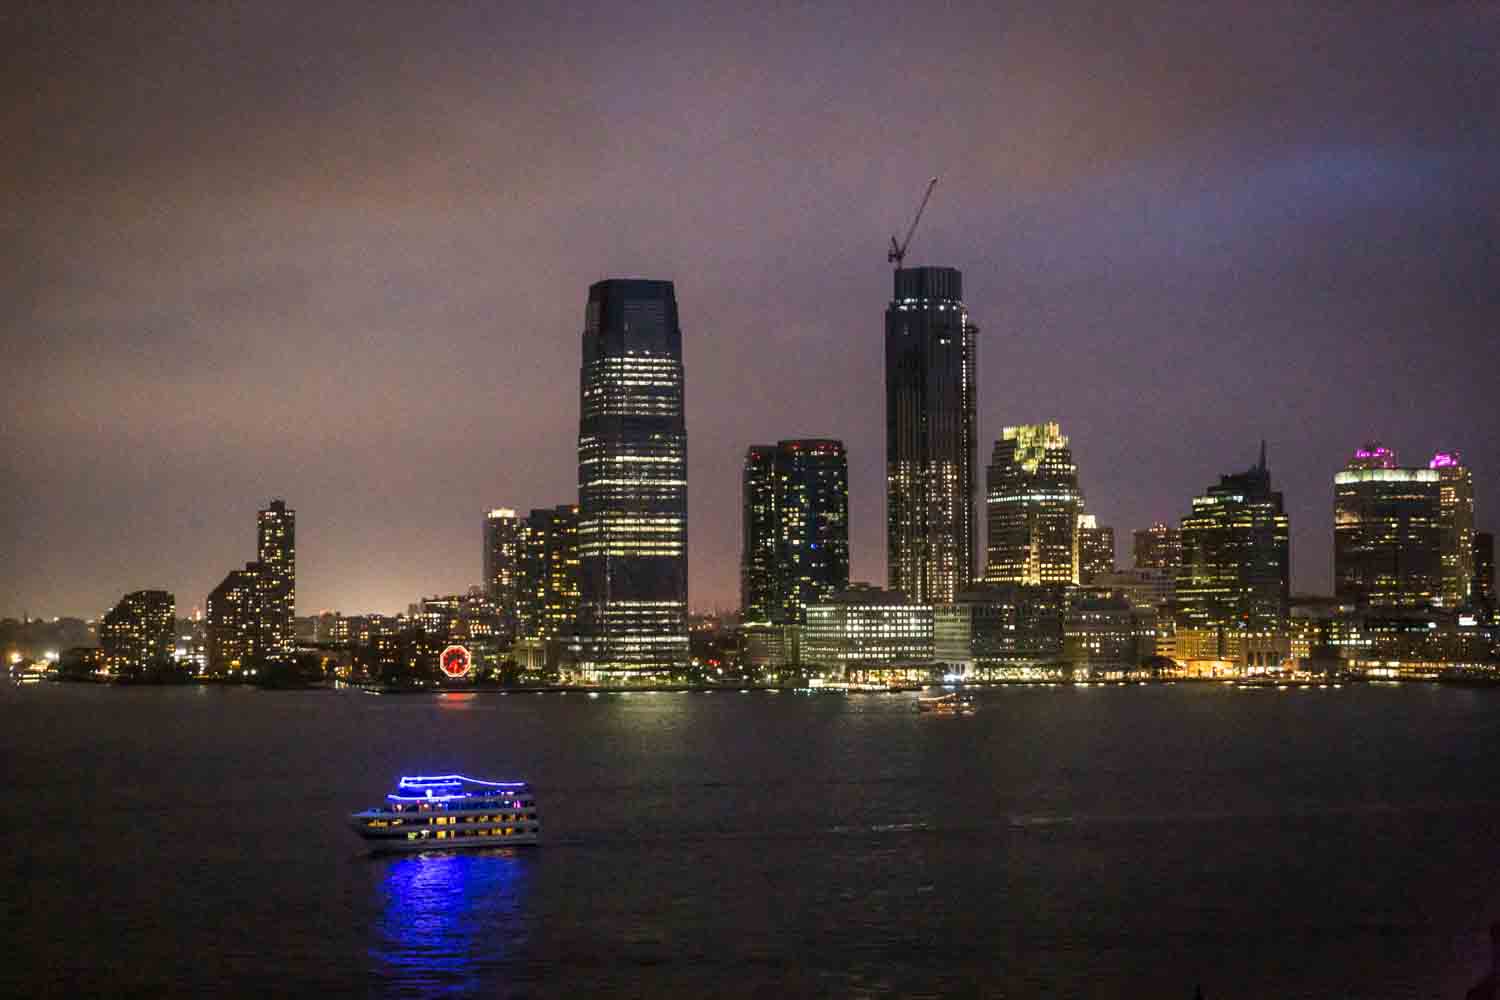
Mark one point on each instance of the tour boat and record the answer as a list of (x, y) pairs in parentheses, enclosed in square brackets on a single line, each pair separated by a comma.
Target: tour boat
[(449, 811), (947, 704)]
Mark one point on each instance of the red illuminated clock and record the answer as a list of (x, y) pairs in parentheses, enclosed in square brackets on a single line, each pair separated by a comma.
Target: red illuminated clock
[(455, 661)]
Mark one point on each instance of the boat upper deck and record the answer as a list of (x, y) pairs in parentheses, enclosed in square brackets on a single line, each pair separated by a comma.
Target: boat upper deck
[(455, 792)]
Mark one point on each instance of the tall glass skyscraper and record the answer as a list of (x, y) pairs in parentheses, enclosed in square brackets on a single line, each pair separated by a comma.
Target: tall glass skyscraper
[(1033, 502), (1236, 570), (277, 555), (930, 435), (796, 529), (632, 482), (1387, 532)]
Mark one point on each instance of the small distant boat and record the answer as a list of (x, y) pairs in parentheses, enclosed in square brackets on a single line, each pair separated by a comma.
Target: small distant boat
[(449, 811), (947, 704)]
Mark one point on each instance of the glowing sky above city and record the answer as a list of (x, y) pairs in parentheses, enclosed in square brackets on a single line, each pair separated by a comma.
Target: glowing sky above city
[(339, 253)]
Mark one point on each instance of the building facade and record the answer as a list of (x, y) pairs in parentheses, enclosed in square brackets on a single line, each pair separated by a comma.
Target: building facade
[(1002, 631), (1033, 504), (1105, 636), (1387, 533), (930, 435), (139, 631), (547, 599), (504, 532), (1484, 570), (632, 482), (1236, 571), (232, 622), (1456, 523), (1158, 547), (796, 528), (866, 628), (277, 554), (1096, 550), (1144, 587)]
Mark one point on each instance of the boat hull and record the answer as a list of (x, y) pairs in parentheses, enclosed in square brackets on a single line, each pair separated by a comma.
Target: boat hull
[(392, 845)]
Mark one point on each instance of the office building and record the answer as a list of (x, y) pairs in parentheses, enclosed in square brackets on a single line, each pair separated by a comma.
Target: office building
[(1005, 630), (277, 555), (1096, 550), (865, 630), (632, 483), (503, 540), (547, 598), (138, 632), (1158, 547), (930, 435), (1105, 636), (796, 528), (1033, 503), (1146, 587), (1456, 524), (1484, 570), (1235, 572), (1387, 533)]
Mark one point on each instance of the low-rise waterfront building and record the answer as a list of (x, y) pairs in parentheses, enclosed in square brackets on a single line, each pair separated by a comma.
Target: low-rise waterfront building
[(1002, 631), (866, 630), (1106, 637)]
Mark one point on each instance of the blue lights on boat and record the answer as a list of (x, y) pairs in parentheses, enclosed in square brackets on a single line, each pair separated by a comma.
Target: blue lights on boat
[(454, 781), (425, 785)]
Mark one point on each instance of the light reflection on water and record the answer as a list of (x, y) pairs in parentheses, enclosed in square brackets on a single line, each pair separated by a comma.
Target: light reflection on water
[(447, 920)]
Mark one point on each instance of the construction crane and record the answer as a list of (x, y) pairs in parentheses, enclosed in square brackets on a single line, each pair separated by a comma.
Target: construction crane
[(897, 253)]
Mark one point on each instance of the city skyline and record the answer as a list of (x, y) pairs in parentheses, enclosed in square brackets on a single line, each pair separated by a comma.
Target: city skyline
[(251, 293)]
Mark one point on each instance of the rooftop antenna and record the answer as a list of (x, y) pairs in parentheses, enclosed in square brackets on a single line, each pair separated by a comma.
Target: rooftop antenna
[(897, 253)]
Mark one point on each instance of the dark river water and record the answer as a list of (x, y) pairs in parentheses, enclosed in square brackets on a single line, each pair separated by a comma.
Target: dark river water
[(1064, 842)]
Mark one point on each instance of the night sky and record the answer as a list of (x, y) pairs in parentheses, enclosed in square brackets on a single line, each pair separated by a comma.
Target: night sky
[(340, 253)]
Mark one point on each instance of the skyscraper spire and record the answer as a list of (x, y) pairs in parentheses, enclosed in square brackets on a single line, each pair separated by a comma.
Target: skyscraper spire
[(1262, 465)]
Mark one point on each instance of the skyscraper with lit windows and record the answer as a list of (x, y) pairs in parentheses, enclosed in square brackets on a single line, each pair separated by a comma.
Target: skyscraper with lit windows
[(1456, 522), (547, 594), (1033, 504), (1236, 570), (796, 528), (632, 482), (1387, 533), (1096, 549), (930, 435), (277, 555), (504, 532)]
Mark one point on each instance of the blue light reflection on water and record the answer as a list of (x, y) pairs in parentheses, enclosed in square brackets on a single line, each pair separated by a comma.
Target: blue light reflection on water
[(449, 921)]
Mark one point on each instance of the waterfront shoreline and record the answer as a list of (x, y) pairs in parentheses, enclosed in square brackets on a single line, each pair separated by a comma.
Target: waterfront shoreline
[(687, 688)]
